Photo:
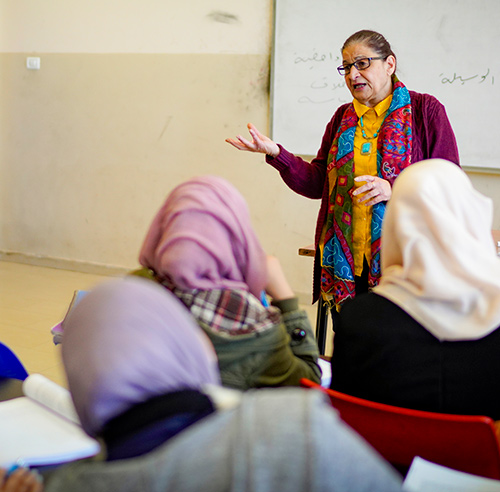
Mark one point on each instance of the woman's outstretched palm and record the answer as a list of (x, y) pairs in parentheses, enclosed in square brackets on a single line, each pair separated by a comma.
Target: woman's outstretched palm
[(260, 143)]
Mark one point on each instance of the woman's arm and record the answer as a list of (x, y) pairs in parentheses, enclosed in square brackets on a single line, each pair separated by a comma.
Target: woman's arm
[(440, 136), (303, 177), (433, 134), (307, 178)]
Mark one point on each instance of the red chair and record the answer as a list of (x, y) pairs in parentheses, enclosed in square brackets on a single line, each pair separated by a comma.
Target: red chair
[(464, 442)]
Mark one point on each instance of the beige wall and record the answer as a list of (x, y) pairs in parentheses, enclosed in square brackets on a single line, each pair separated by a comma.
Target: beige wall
[(131, 99)]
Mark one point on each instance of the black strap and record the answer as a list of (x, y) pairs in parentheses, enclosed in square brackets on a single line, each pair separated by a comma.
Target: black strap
[(155, 409)]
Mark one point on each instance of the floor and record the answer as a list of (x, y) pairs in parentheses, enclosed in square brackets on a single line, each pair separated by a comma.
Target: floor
[(32, 300)]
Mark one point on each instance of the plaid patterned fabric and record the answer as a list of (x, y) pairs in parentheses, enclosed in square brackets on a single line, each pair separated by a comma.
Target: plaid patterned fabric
[(235, 312)]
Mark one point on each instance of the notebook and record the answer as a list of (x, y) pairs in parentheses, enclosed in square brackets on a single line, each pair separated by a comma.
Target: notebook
[(425, 476), (42, 427)]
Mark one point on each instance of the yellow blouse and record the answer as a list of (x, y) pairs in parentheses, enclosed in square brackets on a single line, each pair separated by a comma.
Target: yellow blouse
[(365, 165)]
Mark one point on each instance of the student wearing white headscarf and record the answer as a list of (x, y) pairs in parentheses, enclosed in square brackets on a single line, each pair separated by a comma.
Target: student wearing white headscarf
[(138, 368), (427, 337)]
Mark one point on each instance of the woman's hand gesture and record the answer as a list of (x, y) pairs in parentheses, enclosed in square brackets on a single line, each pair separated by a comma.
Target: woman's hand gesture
[(376, 190), (260, 143)]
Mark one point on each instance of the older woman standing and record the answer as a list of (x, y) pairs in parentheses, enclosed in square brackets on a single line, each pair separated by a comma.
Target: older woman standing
[(367, 143)]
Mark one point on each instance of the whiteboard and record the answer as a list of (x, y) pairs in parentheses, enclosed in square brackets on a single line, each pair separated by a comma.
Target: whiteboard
[(447, 48)]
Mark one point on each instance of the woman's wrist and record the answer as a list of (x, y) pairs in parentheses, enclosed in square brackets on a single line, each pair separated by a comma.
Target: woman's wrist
[(274, 153)]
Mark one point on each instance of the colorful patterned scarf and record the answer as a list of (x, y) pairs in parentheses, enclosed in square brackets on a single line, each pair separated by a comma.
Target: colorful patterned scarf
[(394, 146)]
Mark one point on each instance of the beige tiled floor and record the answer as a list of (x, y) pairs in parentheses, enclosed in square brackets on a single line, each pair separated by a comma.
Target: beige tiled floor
[(32, 300)]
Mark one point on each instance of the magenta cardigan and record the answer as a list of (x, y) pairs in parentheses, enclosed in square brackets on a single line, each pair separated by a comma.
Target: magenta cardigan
[(433, 137)]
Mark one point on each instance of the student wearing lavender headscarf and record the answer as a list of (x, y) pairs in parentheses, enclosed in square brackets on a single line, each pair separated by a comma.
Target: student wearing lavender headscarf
[(135, 363), (144, 380), (202, 247)]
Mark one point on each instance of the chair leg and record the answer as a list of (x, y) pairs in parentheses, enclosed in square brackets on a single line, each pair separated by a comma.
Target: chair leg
[(321, 325)]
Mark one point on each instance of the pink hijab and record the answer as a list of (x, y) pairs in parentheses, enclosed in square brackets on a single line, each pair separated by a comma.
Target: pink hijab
[(127, 341), (202, 238)]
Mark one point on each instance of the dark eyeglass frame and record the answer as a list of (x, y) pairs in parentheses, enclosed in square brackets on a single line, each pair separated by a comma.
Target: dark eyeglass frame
[(346, 69)]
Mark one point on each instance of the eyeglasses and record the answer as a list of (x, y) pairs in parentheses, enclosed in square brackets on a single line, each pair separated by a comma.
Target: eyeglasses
[(361, 64)]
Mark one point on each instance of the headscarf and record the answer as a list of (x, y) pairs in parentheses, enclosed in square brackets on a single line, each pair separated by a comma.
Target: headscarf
[(438, 258), (202, 238), (394, 146), (127, 341)]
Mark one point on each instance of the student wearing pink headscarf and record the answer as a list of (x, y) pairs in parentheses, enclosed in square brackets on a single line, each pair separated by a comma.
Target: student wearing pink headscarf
[(202, 247)]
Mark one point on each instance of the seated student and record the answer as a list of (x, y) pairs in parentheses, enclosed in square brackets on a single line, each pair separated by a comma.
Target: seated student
[(137, 367), (427, 337), (202, 246)]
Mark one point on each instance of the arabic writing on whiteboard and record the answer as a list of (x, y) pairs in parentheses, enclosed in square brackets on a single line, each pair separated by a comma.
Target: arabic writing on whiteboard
[(460, 79)]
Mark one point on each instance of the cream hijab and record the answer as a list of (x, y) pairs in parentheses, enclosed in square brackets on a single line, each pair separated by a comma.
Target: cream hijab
[(438, 257)]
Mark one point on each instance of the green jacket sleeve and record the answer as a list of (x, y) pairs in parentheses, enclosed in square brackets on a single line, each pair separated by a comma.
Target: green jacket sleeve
[(269, 358), (297, 355)]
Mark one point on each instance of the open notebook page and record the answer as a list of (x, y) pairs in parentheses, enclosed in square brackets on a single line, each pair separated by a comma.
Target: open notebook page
[(32, 432)]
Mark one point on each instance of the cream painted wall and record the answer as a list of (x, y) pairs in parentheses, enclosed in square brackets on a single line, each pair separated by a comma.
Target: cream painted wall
[(133, 26), (132, 98), (120, 112)]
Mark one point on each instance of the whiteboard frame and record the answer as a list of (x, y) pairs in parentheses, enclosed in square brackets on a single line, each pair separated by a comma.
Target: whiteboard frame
[(468, 56)]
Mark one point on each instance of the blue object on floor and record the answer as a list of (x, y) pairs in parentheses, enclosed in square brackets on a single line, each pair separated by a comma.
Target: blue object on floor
[(10, 365)]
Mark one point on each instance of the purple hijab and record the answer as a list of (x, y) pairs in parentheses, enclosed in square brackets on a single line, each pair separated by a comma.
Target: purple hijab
[(127, 341), (202, 238)]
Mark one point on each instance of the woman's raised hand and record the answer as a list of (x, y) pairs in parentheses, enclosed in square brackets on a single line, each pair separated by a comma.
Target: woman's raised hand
[(260, 143)]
